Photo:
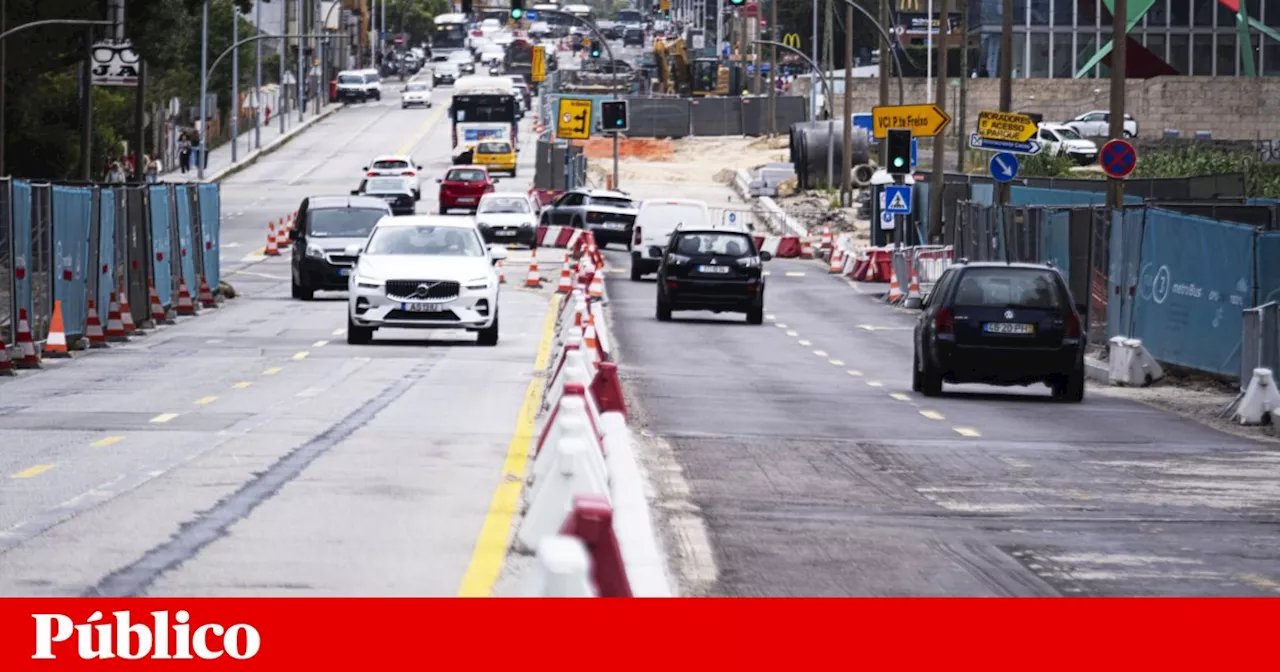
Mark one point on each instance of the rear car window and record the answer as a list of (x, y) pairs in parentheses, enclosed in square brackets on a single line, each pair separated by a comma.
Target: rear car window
[(1009, 288), (390, 165), (372, 78), (385, 185), (611, 202), (343, 222), (493, 148), (711, 242), (465, 176), (350, 79)]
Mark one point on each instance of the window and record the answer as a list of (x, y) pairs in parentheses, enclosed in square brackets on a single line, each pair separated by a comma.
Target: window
[(712, 243), (504, 205), (1202, 12), (1063, 14), (465, 175), (418, 87), (391, 164), (1158, 17), (342, 222), (1180, 13), (1157, 45), (1270, 56), (372, 78), (450, 241), (385, 185), (1202, 54), (493, 148), (1178, 53), (1020, 12), (1009, 288), (1040, 12), (1019, 54), (1039, 65), (611, 202), (1064, 65), (1068, 133), (1270, 15), (1047, 135), (350, 79), (1226, 61)]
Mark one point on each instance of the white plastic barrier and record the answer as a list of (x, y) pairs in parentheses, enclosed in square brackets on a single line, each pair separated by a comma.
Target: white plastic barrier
[(552, 499), (632, 524), (776, 214), (563, 569)]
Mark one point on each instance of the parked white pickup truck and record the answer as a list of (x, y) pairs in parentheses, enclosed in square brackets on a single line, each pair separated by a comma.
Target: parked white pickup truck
[(1097, 124)]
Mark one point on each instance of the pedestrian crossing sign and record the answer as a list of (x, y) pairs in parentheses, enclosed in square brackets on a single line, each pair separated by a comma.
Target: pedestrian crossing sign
[(898, 200)]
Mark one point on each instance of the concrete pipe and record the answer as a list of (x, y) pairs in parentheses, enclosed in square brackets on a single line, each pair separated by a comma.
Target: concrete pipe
[(862, 175)]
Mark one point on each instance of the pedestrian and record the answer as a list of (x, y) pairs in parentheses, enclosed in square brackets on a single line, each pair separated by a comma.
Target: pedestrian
[(184, 153), (115, 172), (153, 168)]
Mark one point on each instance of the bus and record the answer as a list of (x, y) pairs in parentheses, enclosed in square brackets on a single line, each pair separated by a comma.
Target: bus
[(580, 11), (448, 35), (550, 14), (483, 108), (630, 17)]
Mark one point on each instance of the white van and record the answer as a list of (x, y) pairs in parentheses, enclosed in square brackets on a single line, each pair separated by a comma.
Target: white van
[(372, 84), (655, 221)]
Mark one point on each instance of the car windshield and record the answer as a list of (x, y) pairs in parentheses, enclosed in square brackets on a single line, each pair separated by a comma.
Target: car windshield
[(1067, 133), (350, 79), (711, 242), (390, 164), (504, 205), (464, 175), (342, 222), (417, 87), (493, 148), (611, 202), (385, 185), (372, 78), (1008, 288), (451, 241)]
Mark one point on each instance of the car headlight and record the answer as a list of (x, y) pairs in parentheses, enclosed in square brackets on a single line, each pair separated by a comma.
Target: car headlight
[(315, 252), (478, 283), (369, 283), (677, 259), (749, 262)]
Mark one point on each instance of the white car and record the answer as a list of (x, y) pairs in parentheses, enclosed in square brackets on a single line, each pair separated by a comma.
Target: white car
[(372, 84), (424, 272), (492, 55), (445, 73), (351, 86), (395, 165), (1062, 139), (416, 93), (464, 62), (507, 217), (655, 222), (1097, 124)]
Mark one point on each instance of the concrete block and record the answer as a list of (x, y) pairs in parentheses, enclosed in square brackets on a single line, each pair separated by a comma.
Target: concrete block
[(562, 569), (1261, 399)]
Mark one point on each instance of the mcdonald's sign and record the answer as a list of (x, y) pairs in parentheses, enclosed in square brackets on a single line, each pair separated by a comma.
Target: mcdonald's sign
[(909, 6), (792, 40)]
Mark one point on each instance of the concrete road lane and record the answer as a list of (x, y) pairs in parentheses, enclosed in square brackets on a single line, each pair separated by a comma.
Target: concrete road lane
[(819, 471), (250, 450)]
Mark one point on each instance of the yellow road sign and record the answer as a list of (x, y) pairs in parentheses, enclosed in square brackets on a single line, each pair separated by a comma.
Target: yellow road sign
[(1009, 126), (573, 119), (664, 5), (791, 40), (539, 64), (924, 121)]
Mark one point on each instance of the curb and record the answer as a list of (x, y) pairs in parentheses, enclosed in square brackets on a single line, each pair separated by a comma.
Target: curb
[(252, 157), (1097, 370)]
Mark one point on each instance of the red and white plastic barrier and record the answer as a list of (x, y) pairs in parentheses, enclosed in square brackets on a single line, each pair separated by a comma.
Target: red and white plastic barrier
[(782, 247), (559, 236)]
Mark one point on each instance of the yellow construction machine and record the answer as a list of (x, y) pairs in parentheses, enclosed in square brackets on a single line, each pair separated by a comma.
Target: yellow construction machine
[(678, 75)]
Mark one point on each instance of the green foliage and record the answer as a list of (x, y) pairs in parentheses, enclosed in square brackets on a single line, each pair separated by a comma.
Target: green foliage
[(1261, 179), (1045, 164)]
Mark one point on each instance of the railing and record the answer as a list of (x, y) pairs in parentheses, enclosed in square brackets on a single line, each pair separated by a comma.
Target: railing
[(1260, 344)]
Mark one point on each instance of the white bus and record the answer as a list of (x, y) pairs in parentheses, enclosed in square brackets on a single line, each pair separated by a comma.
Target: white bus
[(448, 35), (482, 108), (580, 11)]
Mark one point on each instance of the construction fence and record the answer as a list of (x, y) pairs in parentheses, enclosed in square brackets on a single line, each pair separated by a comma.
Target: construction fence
[(672, 117), (77, 243)]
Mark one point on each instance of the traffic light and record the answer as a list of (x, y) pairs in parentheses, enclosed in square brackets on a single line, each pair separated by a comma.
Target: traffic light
[(737, 3), (517, 9), (899, 144), (595, 48), (613, 115)]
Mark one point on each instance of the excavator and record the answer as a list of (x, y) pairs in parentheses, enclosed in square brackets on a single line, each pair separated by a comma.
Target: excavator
[(677, 75)]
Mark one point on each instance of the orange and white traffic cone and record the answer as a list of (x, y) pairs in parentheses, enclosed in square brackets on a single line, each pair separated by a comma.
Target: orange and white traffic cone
[(590, 342), (185, 305), (596, 290), (806, 248), (566, 281), (55, 346), (913, 297), (827, 241), (27, 357), (6, 364), (126, 313), (502, 275), (282, 237), (93, 328), (158, 314), (206, 295), (533, 279), (837, 261), (115, 327), (271, 250), (895, 290)]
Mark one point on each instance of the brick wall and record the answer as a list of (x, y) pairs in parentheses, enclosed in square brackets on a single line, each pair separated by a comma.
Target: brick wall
[(1234, 108)]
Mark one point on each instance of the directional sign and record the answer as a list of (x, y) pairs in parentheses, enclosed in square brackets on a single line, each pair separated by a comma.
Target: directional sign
[(531, 15), (539, 72), (1029, 147), (897, 199), (573, 120), (1009, 126), (1118, 159), (1004, 167), (924, 121)]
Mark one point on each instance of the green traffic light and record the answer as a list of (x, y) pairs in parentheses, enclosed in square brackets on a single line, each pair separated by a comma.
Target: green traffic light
[(898, 162), (516, 13)]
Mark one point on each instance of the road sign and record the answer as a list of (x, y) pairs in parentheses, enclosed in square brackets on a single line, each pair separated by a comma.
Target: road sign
[(915, 152), (1029, 147), (897, 199), (539, 72), (733, 218), (1008, 126), (1118, 159), (924, 121), (887, 222), (114, 63), (664, 5), (1004, 167), (531, 15), (573, 120)]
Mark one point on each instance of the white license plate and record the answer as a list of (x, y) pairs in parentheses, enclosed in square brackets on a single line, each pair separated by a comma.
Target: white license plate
[(1008, 328), (615, 226), (713, 269), (504, 232), (466, 200), (389, 199), (423, 307), (344, 271)]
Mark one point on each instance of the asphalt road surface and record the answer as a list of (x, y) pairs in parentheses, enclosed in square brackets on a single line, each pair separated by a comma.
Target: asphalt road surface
[(818, 472), (250, 450)]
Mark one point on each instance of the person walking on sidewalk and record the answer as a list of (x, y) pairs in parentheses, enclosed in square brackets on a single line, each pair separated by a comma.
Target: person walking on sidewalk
[(184, 153), (153, 168)]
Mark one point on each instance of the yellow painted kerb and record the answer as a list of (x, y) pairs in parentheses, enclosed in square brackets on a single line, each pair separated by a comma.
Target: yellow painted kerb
[(490, 551)]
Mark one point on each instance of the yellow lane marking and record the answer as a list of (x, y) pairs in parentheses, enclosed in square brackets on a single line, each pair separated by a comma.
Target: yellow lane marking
[(205, 400), (426, 128), (874, 383), (271, 371), (933, 415), (805, 343), (900, 396), (163, 417), (490, 551), (820, 353), (339, 332), (319, 344), (854, 372), (106, 441), (966, 431), (836, 362), (32, 472), (300, 356), (242, 384)]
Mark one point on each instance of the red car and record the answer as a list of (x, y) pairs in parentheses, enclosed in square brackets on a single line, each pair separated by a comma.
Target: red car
[(462, 187)]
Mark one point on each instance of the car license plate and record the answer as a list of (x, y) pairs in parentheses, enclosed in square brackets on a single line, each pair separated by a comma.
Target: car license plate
[(466, 200), (389, 199), (1008, 328), (423, 307), (713, 269), (344, 271), (616, 226), (505, 232)]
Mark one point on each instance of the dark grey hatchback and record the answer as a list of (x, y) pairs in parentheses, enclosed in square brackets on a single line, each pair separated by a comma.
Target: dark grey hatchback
[(1000, 324)]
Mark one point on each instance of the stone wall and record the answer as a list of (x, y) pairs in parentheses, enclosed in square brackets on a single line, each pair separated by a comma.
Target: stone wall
[(1232, 108)]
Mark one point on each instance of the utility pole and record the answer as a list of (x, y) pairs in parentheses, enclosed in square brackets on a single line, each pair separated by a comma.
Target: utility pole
[(939, 143), (235, 83), (1006, 81), (1120, 20), (302, 100), (4, 25), (257, 66), (282, 100), (928, 50), (885, 51), (322, 88), (813, 89), (846, 113), (204, 91), (774, 34), (962, 139), (86, 108)]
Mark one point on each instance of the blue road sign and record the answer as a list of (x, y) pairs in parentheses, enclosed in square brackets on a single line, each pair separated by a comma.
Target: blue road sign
[(1118, 159), (1004, 167), (897, 199), (864, 121), (531, 15), (1030, 147), (915, 152), (384, 35), (887, 221), (733, 217)]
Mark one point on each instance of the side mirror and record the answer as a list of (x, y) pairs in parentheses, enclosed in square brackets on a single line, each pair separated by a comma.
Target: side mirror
[(655, 251), (765, 256), (419, 167), (352, 251), (497, 253), (364, 168), (293, 234), (439, 181), (355, 192)]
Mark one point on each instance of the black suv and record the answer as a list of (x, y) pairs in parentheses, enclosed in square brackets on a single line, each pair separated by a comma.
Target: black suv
[(1000, 324), (711, 269), (633, 36), (325, 227)]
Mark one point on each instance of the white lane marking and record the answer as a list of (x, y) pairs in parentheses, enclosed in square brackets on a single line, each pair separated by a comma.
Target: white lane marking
[(162, 418), (795, 274), (793, 333), (820, 353), (836, 362), (854, 372), (805, 343)]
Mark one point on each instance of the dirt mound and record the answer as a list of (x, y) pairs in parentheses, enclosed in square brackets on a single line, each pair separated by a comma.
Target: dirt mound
[(646, 149), (724, 175)]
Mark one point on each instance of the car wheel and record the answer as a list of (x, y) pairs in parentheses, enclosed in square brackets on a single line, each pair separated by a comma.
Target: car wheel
[(513, 172), (756, 314), (917, 382), (636, 271), (404, 106), (1070, 387), (545, 220), (303, 293), (1127, 134), (417, 195), (930, 379), (663, 312), (357, 335), (577, 223), (444, 210), (489, 335)]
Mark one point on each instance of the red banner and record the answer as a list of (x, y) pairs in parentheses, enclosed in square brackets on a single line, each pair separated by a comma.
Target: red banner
[(702, 634)]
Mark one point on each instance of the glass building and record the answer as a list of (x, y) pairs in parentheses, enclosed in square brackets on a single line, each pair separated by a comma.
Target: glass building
[(1061, 38)]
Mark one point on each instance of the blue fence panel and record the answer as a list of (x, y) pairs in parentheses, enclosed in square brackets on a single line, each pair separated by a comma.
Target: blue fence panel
[(1267, 263), (1126, 263), (1263, 201), (185, 240), (1055, 240), (161, 243), (210, 199), (1041, 196), (106, 250), (982, 194), (72, 217), (22, 246), (1197, 276)]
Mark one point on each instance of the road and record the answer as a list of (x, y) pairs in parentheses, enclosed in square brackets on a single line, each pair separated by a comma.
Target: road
[(250, 450), (817, 471)]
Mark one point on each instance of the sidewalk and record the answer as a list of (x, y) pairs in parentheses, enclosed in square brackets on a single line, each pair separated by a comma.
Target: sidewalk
[(220, 165)]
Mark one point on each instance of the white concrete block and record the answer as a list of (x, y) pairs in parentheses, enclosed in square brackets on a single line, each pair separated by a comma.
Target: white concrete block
[(632, 523), (562, 569), (1261, 399)]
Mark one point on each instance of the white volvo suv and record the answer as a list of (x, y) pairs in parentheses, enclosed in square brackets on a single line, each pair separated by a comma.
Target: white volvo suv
[(424, 272)]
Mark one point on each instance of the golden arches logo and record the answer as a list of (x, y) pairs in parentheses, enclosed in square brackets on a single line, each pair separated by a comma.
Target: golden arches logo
[(791, 40), (909, 5)]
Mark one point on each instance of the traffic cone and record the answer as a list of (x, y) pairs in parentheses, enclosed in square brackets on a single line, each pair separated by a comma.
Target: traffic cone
[(271, 249), (115, 327), (282, 236), (533, 280), (806, 248), (93, 328), (590, 342), (158, 315), (597, 287), (837, 261), (502, 275), (185, 306), (826, 236), (6, 364), (913, 298), (895, 291), (206, 295), (27, 357), (55, 346), (566, 282), (126, 313)]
